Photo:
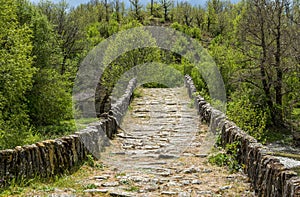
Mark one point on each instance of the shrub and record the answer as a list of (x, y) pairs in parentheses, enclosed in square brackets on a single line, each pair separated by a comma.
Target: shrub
[(50, 102), (227, 158), (249, 117)]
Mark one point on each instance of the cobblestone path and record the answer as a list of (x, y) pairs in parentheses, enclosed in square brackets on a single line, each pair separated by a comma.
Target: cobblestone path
[(162, 151)]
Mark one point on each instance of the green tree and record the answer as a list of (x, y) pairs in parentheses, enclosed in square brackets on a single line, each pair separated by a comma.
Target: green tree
[(107, 9), (16, 73), (155, 10), (166, 5), (183, 14), (68, 32), (49, 99), (118, 6), (265, 36), (199, 14), (136, 9)]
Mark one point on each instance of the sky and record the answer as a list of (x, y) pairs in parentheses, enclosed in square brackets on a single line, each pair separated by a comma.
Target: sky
[(74, 3)]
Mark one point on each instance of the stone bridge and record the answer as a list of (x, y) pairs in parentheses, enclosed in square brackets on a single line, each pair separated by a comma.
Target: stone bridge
[(160, 149)]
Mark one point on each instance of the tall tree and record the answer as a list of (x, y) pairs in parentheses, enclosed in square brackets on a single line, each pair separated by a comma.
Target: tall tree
[(155, 10), (264, 32), (199, 14), (185, 10), (49, 99), (166, 5), (151, 7), (117, 9), (137, 9), (107, 9), (16, 73), (67, 28)]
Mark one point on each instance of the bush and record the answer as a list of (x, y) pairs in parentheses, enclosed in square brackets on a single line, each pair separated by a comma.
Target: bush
[(249, 117), (55, 131), (13, 137), (227, 158), (50, 103)]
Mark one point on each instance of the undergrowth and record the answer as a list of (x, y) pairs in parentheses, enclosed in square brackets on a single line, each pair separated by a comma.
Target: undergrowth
[(39, 186), (226, 157)]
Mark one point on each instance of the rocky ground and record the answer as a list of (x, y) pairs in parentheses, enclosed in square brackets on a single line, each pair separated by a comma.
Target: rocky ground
[(161, 150)]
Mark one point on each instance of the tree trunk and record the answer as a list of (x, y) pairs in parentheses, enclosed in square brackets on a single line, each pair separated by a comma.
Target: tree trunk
[(263, 75), (151, 8), (166, 13), (63, 65), (208, 24), (279, 73), (117, 4), (106, 10)]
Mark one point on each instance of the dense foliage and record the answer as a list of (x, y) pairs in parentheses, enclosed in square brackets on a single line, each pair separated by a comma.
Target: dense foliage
[(255, 44)]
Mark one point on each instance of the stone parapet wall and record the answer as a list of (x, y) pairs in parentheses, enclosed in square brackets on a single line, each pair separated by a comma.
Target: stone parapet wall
[(119, 108), (53, 157), (268, 176)]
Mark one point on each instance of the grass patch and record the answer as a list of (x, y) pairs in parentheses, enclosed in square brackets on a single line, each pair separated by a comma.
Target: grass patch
[(82, 123), (56, 131), (86, 121), (191, 104), (90, 186), (41, 133), (65, 128), (138, 93), (226, 157), (133, 189), (46, 186), (120, 174)]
